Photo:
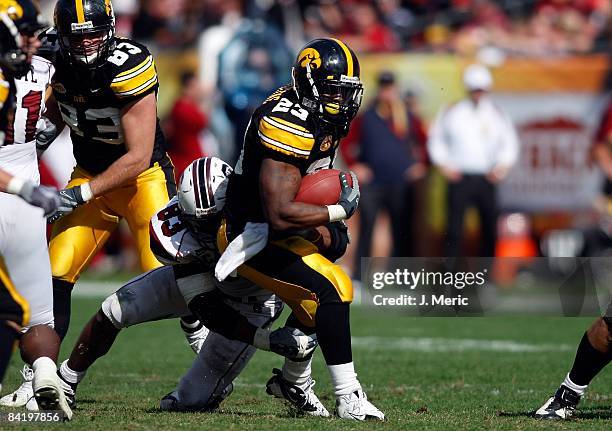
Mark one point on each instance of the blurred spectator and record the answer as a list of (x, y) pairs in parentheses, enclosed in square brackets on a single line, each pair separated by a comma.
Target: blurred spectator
[(186, 123), (602, 148), (386, 166), (400, 20), (251, 66), (473, 144), (369, 33)]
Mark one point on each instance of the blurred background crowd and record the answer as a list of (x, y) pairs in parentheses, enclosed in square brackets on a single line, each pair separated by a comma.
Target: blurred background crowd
[(528, 180)]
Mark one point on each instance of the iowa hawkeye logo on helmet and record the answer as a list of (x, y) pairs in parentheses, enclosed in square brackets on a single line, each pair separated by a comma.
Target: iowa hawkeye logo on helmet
[(310, 57)]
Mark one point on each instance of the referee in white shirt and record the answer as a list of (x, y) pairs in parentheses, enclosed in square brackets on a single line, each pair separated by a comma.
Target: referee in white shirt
[(473, 144)]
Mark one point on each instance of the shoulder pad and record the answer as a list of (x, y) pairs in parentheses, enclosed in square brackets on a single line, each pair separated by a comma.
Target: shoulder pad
[(171, 241), (283, 126), (134, 72)]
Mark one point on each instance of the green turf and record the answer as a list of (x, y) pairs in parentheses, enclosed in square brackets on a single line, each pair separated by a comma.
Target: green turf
[(455, 390)]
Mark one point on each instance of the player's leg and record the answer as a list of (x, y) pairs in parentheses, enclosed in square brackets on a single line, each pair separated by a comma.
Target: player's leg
[(148, 297), (25, 254), (75, 240), (14, 313), (309, 284), (151, 191), (220, 361), (294, 382), (593, 354)]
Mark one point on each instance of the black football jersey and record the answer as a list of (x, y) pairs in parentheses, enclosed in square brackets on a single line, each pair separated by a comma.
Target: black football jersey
[(282, 130), (7, 102), (91, 103)]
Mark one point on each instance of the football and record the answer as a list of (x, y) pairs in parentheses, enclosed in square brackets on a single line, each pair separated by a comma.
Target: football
[(321, 187)]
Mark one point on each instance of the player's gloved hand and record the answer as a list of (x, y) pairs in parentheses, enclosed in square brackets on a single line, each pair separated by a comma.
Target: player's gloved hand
[(45, 135), (288, 342), (349, 199), (39, 196), (71, 198)]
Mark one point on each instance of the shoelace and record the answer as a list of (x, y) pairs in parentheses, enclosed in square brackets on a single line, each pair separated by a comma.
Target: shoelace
[(27, 373)]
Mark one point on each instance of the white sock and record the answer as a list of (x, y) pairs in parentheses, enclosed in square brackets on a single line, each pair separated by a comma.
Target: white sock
[(344, 378), (297, 373), (580, 390), (70, 375), (42, 363), (190, 325)]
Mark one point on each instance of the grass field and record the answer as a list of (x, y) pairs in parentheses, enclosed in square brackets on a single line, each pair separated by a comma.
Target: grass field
[(424, 373)]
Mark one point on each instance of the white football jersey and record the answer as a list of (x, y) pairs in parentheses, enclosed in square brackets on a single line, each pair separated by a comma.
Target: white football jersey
[(172, 243), (18, 155)]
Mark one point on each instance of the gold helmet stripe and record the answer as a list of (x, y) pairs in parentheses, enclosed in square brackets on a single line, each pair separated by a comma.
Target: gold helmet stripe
[(349, 57), (80, 11)]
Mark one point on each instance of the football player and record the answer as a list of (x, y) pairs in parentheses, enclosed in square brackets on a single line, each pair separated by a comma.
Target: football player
[(593, 354), (183, 235), (27, 307), (297, 131), (104, 90)]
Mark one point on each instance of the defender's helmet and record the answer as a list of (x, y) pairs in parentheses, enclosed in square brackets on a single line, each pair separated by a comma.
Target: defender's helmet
[(326, 78), (17, 17), (78, 20), (201, 194)]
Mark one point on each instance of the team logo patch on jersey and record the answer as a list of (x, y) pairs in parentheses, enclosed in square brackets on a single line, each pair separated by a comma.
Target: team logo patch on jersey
[(310, 57), (326, 144)]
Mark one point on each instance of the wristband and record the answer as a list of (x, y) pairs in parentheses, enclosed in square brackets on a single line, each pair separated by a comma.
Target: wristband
[(86, 193), (336, 213), (261, 339), (15, 185)]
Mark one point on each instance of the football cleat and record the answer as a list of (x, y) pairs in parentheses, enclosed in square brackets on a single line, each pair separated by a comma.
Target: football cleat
[(23, 395), (170, 402), (560, 406), (355, 406), (48, 391), (69, 390), (304, 400), (195, 336)]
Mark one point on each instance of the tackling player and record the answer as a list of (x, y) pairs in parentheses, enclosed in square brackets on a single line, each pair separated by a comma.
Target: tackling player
[(297, 131), (593, 354), (183, 235), (26, 307), (104, 90)]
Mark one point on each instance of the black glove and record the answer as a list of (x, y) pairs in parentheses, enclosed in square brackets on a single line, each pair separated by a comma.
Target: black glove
[(340, 239), (42, 197), (70, 198), (349, 196)]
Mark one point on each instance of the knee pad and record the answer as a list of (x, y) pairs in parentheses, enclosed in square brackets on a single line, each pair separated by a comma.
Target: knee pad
[(339, 287), (111, 307)]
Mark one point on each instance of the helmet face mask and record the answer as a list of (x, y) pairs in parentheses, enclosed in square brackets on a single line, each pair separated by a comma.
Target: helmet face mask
[(87, 48), (326, 80), (86, 37)]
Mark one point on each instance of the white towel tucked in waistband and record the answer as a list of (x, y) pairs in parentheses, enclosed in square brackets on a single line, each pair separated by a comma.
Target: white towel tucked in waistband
[(242, 248)]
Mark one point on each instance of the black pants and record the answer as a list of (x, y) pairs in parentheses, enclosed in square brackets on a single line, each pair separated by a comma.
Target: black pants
[(398, 200), (478, 191)]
